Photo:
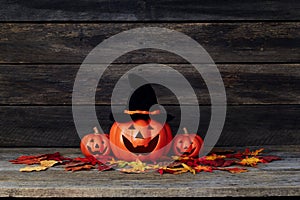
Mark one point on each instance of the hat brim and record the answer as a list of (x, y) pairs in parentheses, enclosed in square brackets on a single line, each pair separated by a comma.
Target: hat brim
[(122, 117)]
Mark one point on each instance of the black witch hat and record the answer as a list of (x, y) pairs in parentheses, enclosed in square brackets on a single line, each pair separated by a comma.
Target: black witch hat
[(141, 104)]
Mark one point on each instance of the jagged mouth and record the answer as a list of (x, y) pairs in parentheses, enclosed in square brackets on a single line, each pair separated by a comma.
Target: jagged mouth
[(186, 152), (141, 149), (96, 153)]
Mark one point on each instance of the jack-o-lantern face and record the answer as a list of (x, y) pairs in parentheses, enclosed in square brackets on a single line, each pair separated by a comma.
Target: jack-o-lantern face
[(142, 139), (95, 144), (187, 144)]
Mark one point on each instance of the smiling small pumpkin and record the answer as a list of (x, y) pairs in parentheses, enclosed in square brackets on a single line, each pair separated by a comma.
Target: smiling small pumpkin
[(95, 144), (187, 144)]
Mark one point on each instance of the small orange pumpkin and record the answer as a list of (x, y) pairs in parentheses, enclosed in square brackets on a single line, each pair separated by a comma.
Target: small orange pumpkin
[(95, 144), (143, 139), (187, 144)]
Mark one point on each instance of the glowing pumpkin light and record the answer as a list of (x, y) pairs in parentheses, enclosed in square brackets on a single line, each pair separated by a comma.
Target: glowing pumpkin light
[(187, 144), (95, 144), (143, 139)]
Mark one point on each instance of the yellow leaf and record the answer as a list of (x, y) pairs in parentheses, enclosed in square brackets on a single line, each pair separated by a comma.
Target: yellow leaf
[(44, 164), (189, 168), (214, 157), (33, 168), (131, 170), (252, 161), (138, 165), (180, 158), (152, 166), (48, 163)]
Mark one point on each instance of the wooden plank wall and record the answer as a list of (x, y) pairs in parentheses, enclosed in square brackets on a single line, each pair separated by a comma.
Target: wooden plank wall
[(255, 44)]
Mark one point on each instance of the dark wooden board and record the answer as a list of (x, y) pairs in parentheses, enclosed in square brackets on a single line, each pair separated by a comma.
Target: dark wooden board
[(51, 126), (146, 10), (225, 42), (275, 179), (244, 84)]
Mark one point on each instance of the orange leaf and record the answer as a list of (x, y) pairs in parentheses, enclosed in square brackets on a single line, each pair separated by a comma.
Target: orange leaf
[(200, 168), (234, 170), (247, 152), (79, 167), (172, 170)]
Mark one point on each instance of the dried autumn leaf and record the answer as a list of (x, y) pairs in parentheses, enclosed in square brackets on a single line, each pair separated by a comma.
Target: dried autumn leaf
[(238, 155), (80, 167), (131, 171), (268, 159), (119, 163), (137, 165), (228, 163), (88, 159), (181, 171), (247, 152), (252, 161), (215, 163), (35, 159), (104, 167), (214, 157), (75, 164), (200, 168), (177, 170), (44, 164), (234, 170), (33, 168), (182, 158), (30, 160), (57, 156), (48, 163), (174, 164), (189, 168)]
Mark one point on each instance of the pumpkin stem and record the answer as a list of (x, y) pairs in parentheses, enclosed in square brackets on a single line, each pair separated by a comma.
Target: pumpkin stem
[(185, 130), (96, 131)]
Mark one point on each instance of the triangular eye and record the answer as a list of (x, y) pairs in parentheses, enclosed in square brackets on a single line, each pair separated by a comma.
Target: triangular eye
[(131, 127), (92, 140), (150, 127)]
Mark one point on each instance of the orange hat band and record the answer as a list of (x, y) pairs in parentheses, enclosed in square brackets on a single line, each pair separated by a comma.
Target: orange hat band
[(131, 112)]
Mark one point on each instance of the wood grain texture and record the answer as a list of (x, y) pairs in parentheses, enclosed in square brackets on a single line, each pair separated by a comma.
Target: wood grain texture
[(146, 10), (225, 42), (51, 126), (244, 84), (275, 179)]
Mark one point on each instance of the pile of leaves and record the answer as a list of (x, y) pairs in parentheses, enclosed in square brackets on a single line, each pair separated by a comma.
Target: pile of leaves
[(234, 162)]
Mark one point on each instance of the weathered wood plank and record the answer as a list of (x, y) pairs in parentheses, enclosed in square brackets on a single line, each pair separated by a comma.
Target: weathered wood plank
[(145, 10), (51, 126), (278, 178), (244, 84), (225, 42)]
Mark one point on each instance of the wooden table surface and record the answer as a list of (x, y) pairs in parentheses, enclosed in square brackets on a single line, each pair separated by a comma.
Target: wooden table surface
[(278, 178)]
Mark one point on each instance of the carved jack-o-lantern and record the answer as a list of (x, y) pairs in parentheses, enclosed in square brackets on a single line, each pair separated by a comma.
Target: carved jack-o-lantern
[(95, 144), (187, 144), (143, 139)]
